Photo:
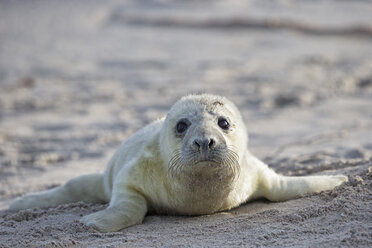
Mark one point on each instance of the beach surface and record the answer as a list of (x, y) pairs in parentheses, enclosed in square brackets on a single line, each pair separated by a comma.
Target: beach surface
[(79, 77)]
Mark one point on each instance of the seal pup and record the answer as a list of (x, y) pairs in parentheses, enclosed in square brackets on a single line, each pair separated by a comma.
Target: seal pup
[(194, 161)]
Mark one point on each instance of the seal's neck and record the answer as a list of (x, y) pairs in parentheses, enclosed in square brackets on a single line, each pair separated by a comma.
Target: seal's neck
[(203, 192)]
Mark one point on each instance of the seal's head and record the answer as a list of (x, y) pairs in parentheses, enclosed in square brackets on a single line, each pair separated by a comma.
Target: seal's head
[(203, 135)]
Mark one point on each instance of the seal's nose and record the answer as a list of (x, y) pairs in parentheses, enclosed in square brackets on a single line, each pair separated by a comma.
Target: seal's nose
[(204, 144)]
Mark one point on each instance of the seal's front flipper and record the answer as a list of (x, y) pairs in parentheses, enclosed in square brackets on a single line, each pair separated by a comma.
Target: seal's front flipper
[(280, 188), (127, 208), (112, 219)]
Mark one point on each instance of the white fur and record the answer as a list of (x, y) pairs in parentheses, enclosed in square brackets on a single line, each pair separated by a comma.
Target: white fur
[(137, 180)]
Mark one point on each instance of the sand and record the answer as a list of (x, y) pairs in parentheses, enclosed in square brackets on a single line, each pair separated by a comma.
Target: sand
[(79, 77)]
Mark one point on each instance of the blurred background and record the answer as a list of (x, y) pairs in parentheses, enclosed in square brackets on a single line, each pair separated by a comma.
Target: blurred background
[(78, 77)]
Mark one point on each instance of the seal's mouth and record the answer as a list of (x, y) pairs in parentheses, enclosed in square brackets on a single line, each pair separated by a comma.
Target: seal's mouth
[(191, 162), (208, 162)]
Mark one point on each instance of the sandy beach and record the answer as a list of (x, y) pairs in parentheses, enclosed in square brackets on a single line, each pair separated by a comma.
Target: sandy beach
[(79, 77)]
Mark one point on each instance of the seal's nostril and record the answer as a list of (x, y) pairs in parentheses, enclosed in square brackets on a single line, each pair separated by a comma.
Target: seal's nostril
[(211, 143), (204, 144), (196, 144)]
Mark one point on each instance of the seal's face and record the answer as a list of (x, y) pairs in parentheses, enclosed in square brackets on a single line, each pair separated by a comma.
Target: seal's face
[(205, 137)]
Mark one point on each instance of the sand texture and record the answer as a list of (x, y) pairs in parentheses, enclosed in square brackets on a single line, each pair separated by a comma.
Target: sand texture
[(79, 77)]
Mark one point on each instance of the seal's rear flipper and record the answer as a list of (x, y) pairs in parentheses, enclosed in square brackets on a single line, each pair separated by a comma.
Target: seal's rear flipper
[(88, 188)]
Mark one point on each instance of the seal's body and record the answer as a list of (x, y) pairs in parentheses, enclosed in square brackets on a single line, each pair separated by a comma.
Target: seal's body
[(194, 161)]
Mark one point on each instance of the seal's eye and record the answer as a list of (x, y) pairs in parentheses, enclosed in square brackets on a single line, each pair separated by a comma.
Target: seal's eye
[(223, 123), (182, 126)]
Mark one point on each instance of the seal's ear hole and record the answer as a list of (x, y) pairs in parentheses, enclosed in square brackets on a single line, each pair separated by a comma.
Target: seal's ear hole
[(223, 123), (182, 126)]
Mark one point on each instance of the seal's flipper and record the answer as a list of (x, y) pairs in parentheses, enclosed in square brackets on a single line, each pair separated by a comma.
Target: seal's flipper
[(87, 188), (127, 208), (280, 188)]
